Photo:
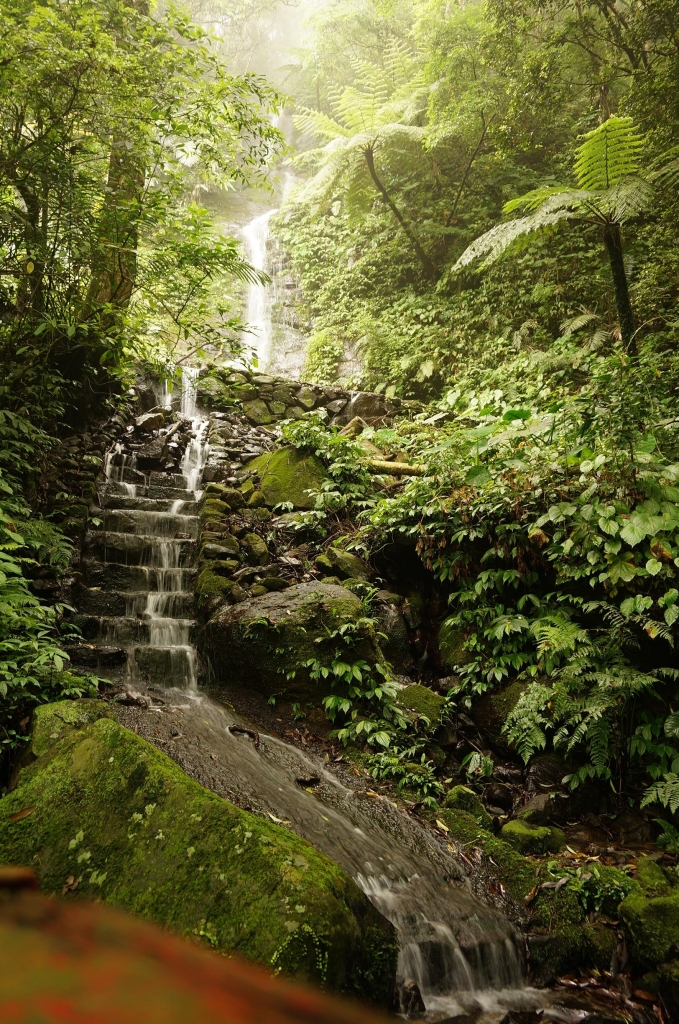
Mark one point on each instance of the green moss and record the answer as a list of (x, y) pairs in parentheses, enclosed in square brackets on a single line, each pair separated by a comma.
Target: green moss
[(288, 475), (492, 710), (602, 941), (652, 926), (532, 838), (213, 508), (124, 820), (209, 584), (652, 878), (462, 799), (423, 701), (51, 722), (451, 647), (556, 951)]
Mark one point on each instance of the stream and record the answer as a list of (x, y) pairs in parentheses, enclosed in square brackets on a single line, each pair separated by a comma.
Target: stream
[(462, 954)]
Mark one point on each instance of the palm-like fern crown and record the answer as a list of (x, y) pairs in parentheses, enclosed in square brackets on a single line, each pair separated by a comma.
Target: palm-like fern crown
[(382, 96), (609, 153)]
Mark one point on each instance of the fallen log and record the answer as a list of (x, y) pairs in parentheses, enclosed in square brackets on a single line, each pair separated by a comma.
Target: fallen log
[(378, 466)]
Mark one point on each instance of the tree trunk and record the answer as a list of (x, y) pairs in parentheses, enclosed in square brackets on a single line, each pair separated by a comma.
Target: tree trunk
[(613, 240), (429, 268), (114, 276)]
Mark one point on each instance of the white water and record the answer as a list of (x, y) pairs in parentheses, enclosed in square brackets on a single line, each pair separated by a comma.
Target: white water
[(258, 303), (168, 632)]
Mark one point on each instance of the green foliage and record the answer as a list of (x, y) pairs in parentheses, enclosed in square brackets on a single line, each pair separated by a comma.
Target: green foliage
[(410, 768), (597, 889), (323, 357)]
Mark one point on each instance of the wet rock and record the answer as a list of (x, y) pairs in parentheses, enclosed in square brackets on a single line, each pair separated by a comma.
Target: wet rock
[(539, 810), (150, 421), (243, 643), (288, 475), (240, 877), (499, 795), (275, 583), (410, 999), (227, 546), (546, 771)]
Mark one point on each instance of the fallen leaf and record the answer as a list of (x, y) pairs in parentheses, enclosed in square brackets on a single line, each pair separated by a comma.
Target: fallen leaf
[(279, 821), (18, 815), (442, 826)]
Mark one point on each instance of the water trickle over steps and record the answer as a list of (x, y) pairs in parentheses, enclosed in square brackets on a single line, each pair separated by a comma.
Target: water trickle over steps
[(139, 593), (139, 600)]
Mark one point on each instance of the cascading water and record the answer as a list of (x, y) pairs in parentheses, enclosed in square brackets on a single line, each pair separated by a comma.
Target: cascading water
[(150, 525), (461, 953), (258, 305)]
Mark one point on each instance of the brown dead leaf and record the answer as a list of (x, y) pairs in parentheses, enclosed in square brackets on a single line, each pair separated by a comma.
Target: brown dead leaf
[(18, 815)]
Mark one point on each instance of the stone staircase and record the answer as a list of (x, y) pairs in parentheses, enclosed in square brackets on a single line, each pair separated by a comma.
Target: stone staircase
[(136, 605)]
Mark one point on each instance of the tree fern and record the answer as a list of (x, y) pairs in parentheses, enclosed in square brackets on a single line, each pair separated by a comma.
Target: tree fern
[(611, 192), (609, 154)]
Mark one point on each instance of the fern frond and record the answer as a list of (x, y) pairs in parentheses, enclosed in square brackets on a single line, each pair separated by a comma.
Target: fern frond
[(495, 243), (609, 153), (569, 327), (665, 792), (313, 122)]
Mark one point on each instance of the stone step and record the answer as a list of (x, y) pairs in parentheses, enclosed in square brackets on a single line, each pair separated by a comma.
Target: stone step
[(144, 523), (170, 492), (111, 577), (125, 501), (94, 601), (166, 480), (130, 549), (167, 666), (128, 631)]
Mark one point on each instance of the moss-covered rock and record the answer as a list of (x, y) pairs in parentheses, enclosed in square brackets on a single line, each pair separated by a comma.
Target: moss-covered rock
[(51, 722), (652, 926), (652, 878), (527, 838), (288, 475), (229, 496), (491, 711), (260, 641), (255, 549), (423, 701), (461, 798), (258, 412), (337, 562), (452, 651), (110, 812)]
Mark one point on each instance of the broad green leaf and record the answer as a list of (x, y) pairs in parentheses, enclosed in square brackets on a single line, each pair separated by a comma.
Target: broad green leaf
[(653, 566), (478, 476)]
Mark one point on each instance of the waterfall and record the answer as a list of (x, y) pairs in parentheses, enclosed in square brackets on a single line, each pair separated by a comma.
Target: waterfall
[(142, 557), (462, 954), (258, 303)]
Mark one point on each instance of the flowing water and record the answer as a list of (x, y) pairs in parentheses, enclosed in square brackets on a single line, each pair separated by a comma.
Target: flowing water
[(142, 558), (275, 338), (460, 952)]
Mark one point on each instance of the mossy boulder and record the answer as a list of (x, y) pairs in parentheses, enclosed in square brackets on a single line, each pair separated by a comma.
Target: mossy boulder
[(527, 838), (260, 641), (258, 412), (337, 562), (423, 701), (255, 549), (652, 878), (51, 722), (462, 799), (452, 651), (287, 475), (491, 711), (652, 926), (112, 818)]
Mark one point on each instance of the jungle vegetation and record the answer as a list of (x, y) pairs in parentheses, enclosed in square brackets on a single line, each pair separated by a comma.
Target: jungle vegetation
[(485, 225)]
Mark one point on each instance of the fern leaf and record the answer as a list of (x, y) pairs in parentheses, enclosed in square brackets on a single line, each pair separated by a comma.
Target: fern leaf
[(313, 122), (609, 153)]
